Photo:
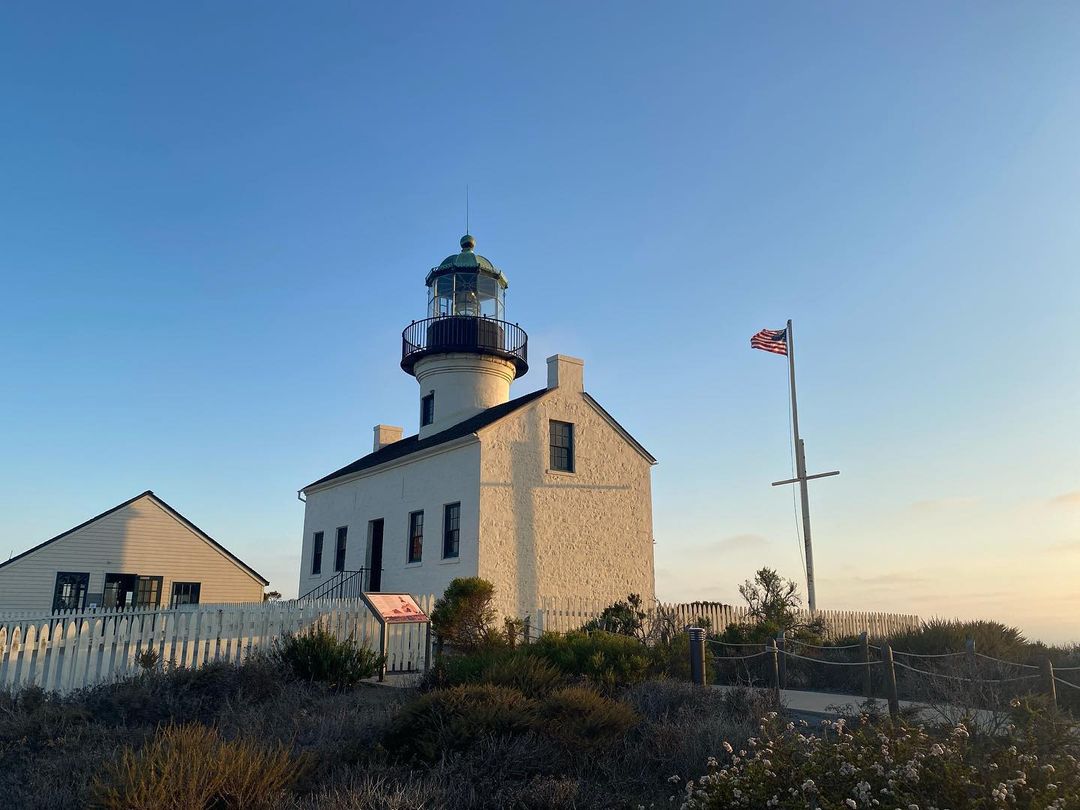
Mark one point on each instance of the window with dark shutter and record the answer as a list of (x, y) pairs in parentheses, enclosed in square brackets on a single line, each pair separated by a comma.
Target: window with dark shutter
[(562, 446)]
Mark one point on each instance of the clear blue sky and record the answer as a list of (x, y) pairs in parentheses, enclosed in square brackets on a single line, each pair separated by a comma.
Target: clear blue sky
[(215, 219)]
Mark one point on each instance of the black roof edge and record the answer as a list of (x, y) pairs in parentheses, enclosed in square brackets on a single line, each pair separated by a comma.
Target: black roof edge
[(128, 502), (626, 433)]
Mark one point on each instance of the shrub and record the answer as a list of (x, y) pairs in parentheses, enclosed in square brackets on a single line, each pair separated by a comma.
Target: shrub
[(608, 660), (454, 719), (582, 719), (318, 655), (192, 767), (463, 616), (498, 666), (625, 618)]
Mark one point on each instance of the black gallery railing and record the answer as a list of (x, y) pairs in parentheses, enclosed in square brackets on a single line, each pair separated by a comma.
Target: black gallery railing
[(462, 333)]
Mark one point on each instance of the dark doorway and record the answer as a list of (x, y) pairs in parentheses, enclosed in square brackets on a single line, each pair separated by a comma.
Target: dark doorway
[(375, 532), (131, 590)]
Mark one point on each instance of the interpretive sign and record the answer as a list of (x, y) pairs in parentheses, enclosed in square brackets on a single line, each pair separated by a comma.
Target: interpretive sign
[(395, 608)]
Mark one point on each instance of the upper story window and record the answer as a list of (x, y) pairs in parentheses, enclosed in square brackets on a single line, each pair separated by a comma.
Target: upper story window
[(451, 530), (562, 446), (339, 550), (316, 553), (416, 536), (427, 409)]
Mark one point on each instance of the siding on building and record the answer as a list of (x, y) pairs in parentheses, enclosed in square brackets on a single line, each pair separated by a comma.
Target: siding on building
[(427, 480), (141, 538)]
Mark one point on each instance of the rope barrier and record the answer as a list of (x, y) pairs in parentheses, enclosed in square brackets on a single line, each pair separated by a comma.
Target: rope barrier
[(738, 657), (927, 655), (1068, 683), (1066, 669), (969, 680), (827, 646), (736, 643), (1003, 661), (830, 663)]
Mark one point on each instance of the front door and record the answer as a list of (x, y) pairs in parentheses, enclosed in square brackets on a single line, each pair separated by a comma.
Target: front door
[(375, 530)]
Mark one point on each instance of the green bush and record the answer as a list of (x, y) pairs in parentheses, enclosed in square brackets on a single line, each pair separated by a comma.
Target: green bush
[(454, 719), (498, 666), (192, 768), (945, 635), (606, 659), (463, 616), (582, 719), (318, 655), (625, 618)]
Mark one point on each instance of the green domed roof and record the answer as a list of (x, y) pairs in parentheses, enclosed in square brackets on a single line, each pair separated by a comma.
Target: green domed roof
[(466, 262)]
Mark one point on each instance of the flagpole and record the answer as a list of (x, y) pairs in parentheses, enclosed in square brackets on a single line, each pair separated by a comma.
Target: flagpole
[(800, 473)]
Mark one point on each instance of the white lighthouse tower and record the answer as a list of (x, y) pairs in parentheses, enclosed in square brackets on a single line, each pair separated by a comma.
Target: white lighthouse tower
[(464, 353)]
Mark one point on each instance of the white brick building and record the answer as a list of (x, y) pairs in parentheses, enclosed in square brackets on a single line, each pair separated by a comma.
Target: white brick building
[(546, 495)]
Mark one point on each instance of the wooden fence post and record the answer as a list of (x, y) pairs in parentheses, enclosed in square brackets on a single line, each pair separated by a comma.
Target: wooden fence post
[(697, 655), (890, 681), (781, 641), (1051, 687), (868, 682), (775, 668)]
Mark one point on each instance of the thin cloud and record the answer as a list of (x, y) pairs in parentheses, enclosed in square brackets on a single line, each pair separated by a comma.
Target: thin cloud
[(1064, 548), (1069, 499), (939, 504), (740, 542)]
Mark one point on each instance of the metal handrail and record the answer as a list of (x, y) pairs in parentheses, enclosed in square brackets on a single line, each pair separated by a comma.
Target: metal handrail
[(343, 584), (464, 333)]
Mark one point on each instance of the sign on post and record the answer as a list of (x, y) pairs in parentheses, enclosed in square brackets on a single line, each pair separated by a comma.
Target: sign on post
[(397, 608)]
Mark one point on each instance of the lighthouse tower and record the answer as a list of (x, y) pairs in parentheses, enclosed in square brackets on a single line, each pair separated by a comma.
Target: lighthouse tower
[(464, 354)]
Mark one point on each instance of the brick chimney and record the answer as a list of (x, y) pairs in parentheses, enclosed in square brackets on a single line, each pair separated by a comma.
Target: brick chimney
[(386, 434)]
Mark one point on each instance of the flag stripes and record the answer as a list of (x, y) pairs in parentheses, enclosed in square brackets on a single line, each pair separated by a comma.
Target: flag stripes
[(770, 340)]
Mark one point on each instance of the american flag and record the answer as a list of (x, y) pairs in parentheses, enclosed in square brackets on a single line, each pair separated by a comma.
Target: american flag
[(770, 340)]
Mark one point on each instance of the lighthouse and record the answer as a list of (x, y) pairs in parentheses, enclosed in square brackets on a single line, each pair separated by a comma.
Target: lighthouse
[(464, 354)]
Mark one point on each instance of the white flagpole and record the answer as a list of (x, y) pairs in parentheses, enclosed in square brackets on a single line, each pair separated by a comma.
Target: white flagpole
[(800, 474)]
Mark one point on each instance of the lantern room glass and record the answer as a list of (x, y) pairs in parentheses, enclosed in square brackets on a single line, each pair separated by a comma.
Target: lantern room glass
[(475, 295)]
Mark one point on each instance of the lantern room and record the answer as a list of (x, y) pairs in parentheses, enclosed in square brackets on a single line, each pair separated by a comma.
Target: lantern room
[(466, 284)]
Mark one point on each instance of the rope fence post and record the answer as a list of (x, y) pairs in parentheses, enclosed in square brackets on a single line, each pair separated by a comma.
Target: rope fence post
[(868, 683), (1051, 687), (697, 655), (775, 668), (781, 640), (890, 681)]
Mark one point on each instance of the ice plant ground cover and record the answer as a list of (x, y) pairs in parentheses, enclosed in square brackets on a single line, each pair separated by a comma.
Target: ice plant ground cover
[(872, 763)]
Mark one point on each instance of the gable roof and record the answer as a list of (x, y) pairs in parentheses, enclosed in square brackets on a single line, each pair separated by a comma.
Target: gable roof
[(168, 509), (619, 428), (414, 444)]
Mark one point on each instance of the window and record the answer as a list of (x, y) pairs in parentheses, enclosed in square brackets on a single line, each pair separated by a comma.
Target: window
[(416, 536), (339, 551), (427, 409), (148, 592), (562, 446), (185, 593), (451, 530), (316, 554), (70, 590)]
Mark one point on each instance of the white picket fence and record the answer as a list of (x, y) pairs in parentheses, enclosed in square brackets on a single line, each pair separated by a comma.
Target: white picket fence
[(569, 613), (70, 650)]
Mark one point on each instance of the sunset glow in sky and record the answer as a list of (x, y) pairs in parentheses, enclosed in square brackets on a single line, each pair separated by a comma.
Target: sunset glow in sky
[(217, 218)]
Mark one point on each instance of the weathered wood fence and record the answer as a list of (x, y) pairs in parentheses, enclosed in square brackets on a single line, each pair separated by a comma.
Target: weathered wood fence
[(567, 613), (70, 650)]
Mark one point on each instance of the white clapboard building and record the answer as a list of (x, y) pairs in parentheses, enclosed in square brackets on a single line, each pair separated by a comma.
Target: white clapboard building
[(139, 554), (545, 494)]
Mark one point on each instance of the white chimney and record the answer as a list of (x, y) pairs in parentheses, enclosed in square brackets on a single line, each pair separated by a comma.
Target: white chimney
[(566, 372), (386, 434)]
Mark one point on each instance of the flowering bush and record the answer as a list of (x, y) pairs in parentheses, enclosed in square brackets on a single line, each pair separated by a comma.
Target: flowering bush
[(1033, 767)]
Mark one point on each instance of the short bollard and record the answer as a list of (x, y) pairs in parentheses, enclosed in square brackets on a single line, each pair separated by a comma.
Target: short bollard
[(890, 681), (1051, 687), (775, 669), (697, 655)]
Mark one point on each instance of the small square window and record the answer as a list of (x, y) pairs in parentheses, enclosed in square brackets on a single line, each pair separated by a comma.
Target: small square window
[(427, 409), (562, 446), (416, 536)]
